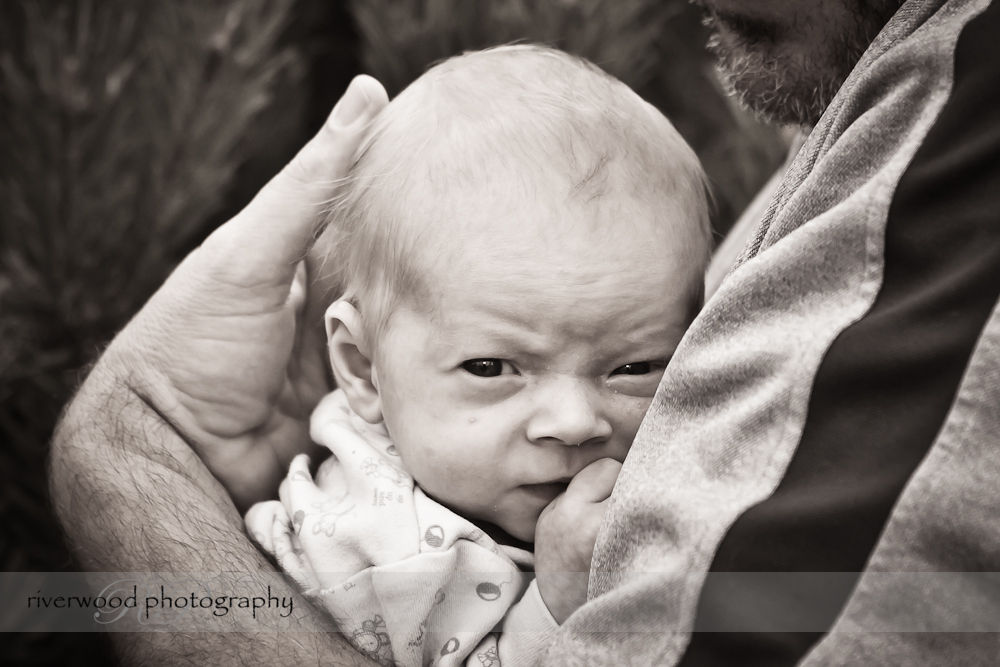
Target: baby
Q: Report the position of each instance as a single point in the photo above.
(519, 250)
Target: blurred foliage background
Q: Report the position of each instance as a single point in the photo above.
(130, 129)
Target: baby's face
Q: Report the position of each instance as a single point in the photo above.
(540, 354)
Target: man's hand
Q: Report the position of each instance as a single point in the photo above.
(216, 365)
(565, 536)
(220, 351)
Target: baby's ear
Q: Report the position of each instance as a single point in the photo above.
(350, 359)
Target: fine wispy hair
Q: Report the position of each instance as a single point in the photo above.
(529, 121)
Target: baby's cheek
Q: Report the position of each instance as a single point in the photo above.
(631, 412)
(464, 468)
(443, 470)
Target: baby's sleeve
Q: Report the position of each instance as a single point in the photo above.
(527, 631)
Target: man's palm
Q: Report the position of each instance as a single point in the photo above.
(239, 364)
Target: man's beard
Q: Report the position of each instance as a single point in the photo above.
(790, 88)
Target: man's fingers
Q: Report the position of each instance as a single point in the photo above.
(595, 482)
(297, 294)
(263, 243)
(324, 159)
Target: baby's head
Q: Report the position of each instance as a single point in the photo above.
(519, 249)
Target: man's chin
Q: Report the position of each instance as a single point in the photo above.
(778, 90)
(790, 75)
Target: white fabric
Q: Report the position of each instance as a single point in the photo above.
(408, 581)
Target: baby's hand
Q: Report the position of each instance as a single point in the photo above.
(565, 536)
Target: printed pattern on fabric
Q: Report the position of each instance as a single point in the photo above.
(408, 581)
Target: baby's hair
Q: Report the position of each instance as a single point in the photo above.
(543, 119)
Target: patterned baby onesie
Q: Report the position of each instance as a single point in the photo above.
(408, 581)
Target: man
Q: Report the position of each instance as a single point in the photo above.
(832, 411)
(827, 419)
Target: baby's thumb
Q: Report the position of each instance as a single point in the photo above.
(595, 482)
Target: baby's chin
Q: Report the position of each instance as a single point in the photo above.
(522, 532)
(517, 528)
(519, 519)
(517, 535)
(509, 533)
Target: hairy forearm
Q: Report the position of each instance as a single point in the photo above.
(133, 497)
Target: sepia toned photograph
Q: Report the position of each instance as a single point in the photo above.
(500, 332)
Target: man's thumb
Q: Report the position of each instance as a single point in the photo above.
(266, 240)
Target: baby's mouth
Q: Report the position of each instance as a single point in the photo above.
(547, 491)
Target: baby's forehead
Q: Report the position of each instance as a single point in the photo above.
(468, 202)
(506, 210)
(509, 249)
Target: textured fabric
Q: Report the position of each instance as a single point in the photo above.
(777, 460)
(882, 390)
(732, 246)
(408, 581)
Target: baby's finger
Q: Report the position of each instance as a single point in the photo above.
(595, 482)
(266, 239)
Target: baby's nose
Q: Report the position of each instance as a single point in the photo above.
(569, 411)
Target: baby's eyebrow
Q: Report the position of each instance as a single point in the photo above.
(503, 311)
(520, 343)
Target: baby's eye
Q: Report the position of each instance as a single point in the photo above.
(487, 368)
(634, 368)
(638, 378)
